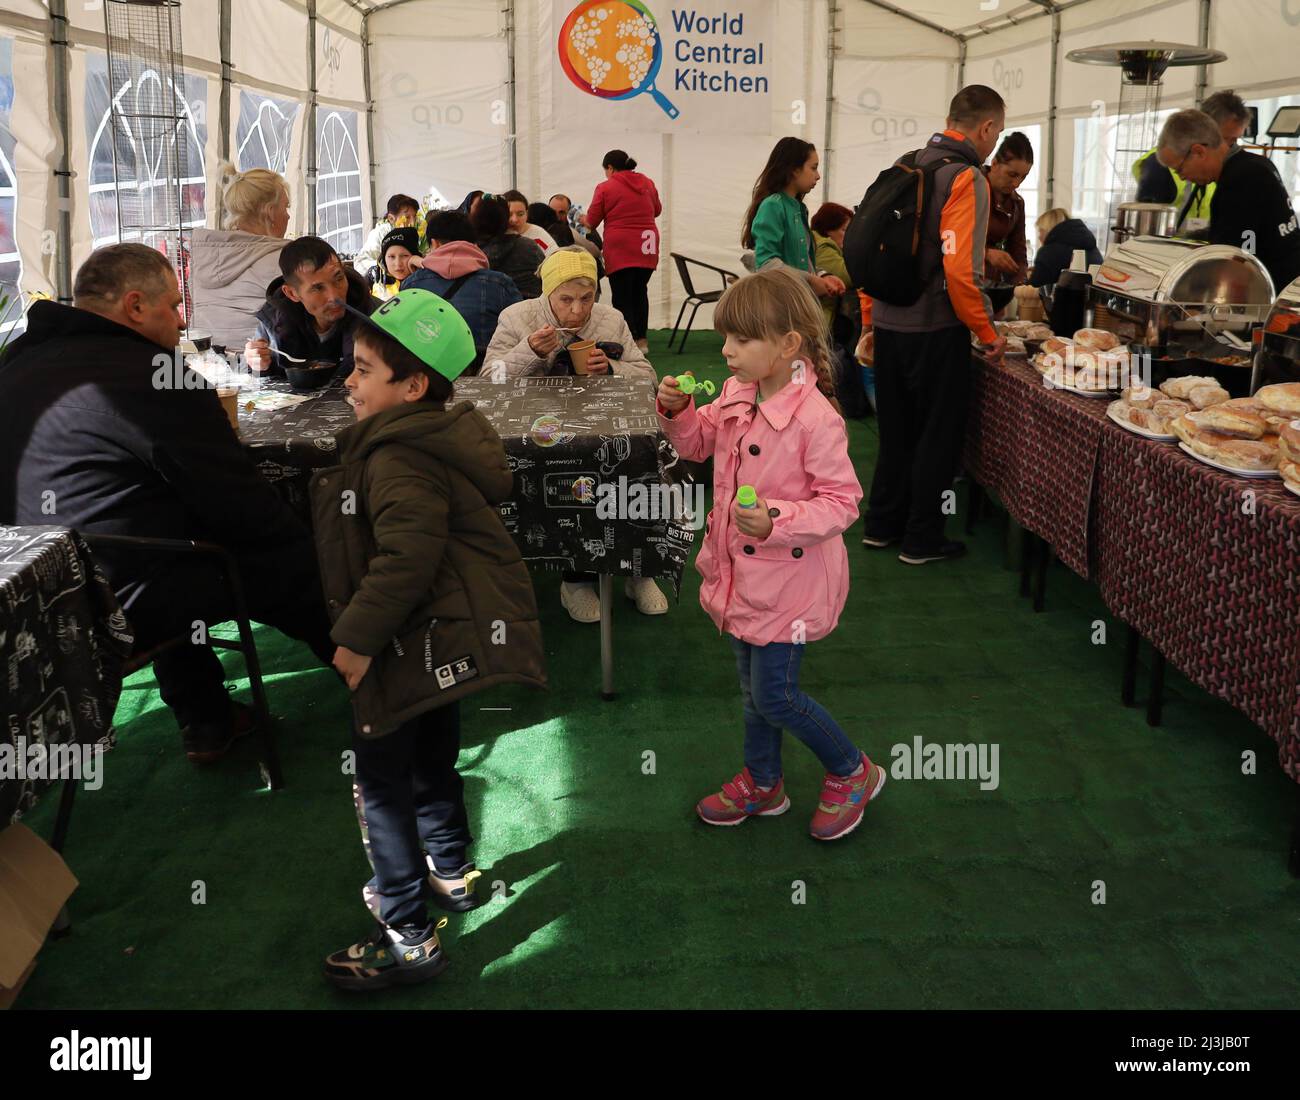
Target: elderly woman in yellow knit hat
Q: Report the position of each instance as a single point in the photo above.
(533, 336)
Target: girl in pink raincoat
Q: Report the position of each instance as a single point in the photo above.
(775, 575)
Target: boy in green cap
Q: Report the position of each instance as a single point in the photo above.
(430, 601)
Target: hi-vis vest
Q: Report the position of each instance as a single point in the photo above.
(1198, 213)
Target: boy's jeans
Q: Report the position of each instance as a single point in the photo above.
(410, 799)
(769, 684)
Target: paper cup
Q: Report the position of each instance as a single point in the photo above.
(579, 352)
(230, 402)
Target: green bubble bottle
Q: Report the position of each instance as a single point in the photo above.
(746, 497)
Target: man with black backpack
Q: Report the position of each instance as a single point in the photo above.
(916, 246)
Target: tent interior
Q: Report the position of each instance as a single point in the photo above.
(353, 100)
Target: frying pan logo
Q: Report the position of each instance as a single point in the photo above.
(612, 49)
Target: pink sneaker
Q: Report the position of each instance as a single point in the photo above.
(840, 810)
(741, 799)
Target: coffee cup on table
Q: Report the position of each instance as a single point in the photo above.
(579, 352)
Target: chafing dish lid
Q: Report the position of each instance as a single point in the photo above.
(1170, 269)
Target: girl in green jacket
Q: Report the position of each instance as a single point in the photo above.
(776, 225)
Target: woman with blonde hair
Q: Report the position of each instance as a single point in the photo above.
(1059, 235)
(231, 267)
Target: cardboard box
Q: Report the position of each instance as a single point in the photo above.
(34, 885)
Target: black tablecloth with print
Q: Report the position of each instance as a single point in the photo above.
(63, 641)
(578, 447)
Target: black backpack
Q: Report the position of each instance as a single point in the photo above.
(882, 246)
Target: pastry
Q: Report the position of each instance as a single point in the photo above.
(1182, 387)
(1056, 345)
(1234, 422)
(1289, 440)
(1202, 397)
(1141, 397)
(1169, 409)
(1247, 454)
(1282, 398)
(1290, 475)
(1097, 338)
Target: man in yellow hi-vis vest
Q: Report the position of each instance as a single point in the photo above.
(1159, 184)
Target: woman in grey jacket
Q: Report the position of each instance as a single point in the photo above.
(231, 267)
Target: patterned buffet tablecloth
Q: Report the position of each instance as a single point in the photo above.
(1036, 448)
(1206, 567)
(63, 641)
(578, 446)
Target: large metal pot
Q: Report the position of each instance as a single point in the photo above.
(1144, 219)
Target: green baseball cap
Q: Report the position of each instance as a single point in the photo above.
(429, 328)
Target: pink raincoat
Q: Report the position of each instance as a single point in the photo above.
(793, 448)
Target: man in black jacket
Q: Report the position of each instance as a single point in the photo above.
(304, 314)
(1250, 209)
(102, 429)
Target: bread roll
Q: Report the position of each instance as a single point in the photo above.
(1056, 345)
(1247, 454)
(1097, 338)
(1183, 428)
(1283, 398)
(1289, 440)
(1202, 397)
(1145, 418)
(1182, 387)
(1169, 409)
(1234, 422)
(1141, 397)
(1038, 331)
(1290, 475)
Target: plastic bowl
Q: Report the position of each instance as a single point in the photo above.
(311, 376)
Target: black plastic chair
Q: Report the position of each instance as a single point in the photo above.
(693, 296)
(270, 763)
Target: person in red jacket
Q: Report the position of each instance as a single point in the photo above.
(628, 203)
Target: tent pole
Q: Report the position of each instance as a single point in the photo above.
(512, 139)
(1203, 40)
(63, 173)
(311, 117)
(1050, 193)
(223, 111)
(832, 15)
(961, 66)
(370, 112)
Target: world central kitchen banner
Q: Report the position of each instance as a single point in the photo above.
(628, 65)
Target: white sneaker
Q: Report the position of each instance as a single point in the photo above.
(649, 600)
(581, 601)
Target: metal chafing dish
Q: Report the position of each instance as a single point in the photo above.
(1278, 356)
(1193, 307)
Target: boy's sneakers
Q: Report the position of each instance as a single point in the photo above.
(389, 956)
(454, 892)
(874, 541)
(843, 800)
(741, 799)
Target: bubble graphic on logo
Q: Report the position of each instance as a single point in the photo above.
(584, 490)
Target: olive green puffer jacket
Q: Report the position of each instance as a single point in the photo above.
(419, 571)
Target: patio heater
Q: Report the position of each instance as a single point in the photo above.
(1142, 68)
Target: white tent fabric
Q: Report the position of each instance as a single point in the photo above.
(355, 99)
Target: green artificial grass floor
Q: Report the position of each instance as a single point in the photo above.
(610, 894)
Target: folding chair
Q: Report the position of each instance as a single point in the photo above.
(693, 296)
(270, 762)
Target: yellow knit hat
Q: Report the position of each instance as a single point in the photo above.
(563, 265)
